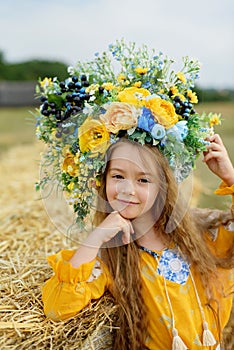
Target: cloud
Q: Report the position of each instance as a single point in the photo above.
(76, 29)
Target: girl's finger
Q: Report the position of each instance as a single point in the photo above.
(127, 231)
(131, 227)
(211, 155)
(214, 147)
(216, 138)
(126, 235)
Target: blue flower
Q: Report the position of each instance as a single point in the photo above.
(179, 131)
(158, 131)
(146, 85)
(146, 120)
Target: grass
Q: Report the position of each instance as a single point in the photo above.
(17, 127)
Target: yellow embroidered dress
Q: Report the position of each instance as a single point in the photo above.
(70, 289)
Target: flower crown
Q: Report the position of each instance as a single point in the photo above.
(127, 91)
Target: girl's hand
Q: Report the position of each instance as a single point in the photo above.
(110, 226)
(218, 161)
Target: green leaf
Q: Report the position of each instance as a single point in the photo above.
(57, 99)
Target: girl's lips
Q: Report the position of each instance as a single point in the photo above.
(127, 202)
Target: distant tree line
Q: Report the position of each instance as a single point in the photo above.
(213, 95)
(33, 69)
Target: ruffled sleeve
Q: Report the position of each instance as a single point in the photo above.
(64, 270)
(70, 289)
(224, 189)
(224, 235)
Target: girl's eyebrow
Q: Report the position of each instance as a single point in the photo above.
(115, 169)
(122, 170)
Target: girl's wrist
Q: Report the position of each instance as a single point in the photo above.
(229, 180)
(94, 239)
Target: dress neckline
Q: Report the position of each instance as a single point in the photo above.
(155, 253)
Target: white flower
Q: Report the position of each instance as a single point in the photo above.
(70, 70)
(88, 109)
(92, 98)
(96, 272)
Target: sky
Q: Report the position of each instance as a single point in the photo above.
(72, 30)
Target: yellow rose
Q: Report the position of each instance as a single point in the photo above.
(119, 116)
(163, 111)
(70, 167)
(93, 136)
(134, 95)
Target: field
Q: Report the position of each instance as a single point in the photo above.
(28, 234)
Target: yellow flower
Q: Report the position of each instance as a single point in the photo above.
(215, 120)
(92, 88)
(119, 116)
(66, 151)
(97, 182)
(192, 96)
(93, 136)
(46, 82)
(126, 82)
(182, 97)
(141, 70)
(181, 77)
(121, 78)
(137, 84)
(108, 86)
(174, 90)
(71, 186)
(163, 111)
(134, 95)
(77, 158)
(70, 167)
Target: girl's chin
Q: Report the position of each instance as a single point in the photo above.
(128, 213)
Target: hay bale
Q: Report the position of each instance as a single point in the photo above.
(27, 237)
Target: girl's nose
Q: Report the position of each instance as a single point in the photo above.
(127, 187)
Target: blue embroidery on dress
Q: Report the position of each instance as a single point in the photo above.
(173, 267)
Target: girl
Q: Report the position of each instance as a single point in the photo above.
(171, 279)
(129, 128)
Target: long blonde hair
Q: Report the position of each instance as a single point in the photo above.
(122, 261)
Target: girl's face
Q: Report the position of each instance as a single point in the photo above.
(131, 187)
